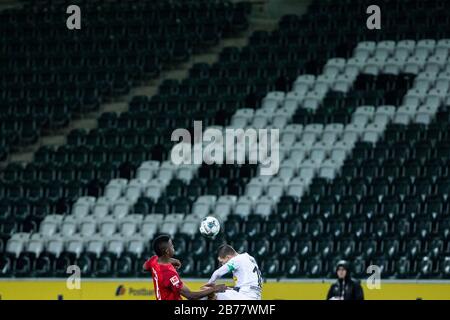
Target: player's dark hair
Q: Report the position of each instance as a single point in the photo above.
(226, 250)
(160, 243)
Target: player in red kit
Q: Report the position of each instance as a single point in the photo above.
(166, 281)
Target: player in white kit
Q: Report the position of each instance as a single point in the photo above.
(246, 274)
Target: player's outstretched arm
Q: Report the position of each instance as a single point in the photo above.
(145, 268)
(194, 295)
(223, 270)
(176, 263)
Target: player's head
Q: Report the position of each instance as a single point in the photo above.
(342, 269)
(226, 252)
(163, 246)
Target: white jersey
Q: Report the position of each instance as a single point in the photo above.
(245, 270)
(246, 274)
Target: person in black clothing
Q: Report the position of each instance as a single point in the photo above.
(345, 288)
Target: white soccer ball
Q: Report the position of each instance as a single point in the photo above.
(209, 227)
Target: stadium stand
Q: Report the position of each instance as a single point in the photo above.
(50, 75)
(364, 124)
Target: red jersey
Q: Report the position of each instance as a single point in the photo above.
(166, 281)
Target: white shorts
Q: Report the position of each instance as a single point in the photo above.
(231, 294)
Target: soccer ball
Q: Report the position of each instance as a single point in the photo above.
(209, 227)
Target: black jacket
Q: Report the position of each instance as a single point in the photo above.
(347, 288)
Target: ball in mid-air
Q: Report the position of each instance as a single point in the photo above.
(209, 227)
